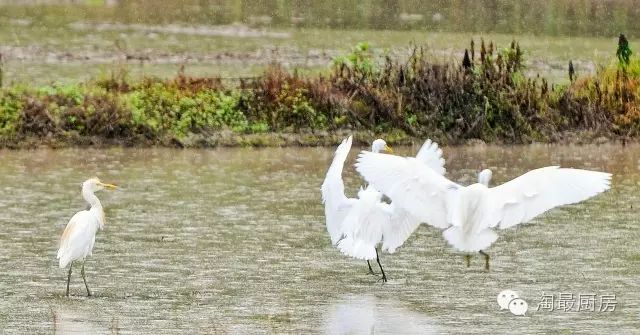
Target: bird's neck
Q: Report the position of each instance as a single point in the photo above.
(91, 198)
(95, 204)
(375, 150)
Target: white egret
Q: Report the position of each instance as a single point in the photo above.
(79, 235)
(357, 226)
(470, 213)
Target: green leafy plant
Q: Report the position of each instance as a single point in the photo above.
(360, 60)
(10, 107)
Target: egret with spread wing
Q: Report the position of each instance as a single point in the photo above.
(357, 226)
(471, 213)
(79, 235)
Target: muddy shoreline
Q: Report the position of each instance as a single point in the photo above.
(228, 139)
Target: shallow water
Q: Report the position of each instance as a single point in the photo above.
(233, 241)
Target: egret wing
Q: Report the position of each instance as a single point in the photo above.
(78, 237)
(540, 190)
(400, 226)
(431, 155)
(336, 204)
(410, 184)
(363, 225)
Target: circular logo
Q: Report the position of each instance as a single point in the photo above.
(505, 297)
(518, 306)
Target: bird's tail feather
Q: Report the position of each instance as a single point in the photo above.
(463, 242)
(63, 258)
(357, 249)
(64, 261)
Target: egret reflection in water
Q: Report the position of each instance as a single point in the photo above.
(367, 314)
(73, 321)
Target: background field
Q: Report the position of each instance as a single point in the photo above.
(60, 41)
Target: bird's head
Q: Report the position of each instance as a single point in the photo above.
(94, 184)
(380, 145)
(484, 177)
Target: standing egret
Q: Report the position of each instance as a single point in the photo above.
(357, 226)
(470, 213)
(80, 233)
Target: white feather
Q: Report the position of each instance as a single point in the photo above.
(359, 225)
(400, 227)
(473, 210)
(540, 190)
(79, 237)
(431, 155)
(363, 226)
(410, 184)
(336, 203)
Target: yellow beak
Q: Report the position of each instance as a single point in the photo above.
(109, 186)
(388, 149)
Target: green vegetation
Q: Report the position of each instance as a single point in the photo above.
(485, 96)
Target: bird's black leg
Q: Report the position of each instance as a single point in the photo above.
(69, 278)
(486, 260)
(85, 280)
(370, 269)
(467, 258)
(384, 277)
